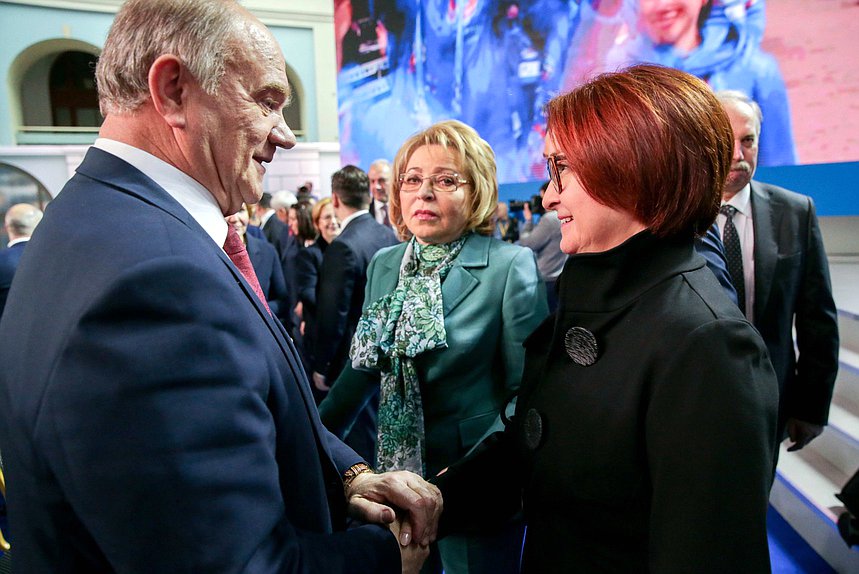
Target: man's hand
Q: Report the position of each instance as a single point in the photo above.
(412, 555)
(319, 382)
(373, 498)
(801, 433)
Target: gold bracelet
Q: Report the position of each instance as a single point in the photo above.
(353, 471)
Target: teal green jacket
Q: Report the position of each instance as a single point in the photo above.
(493, 299)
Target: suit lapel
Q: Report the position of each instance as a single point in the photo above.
(125, 178)
(766, 249)
(460, 281)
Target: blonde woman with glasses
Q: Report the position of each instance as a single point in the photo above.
(440, 338)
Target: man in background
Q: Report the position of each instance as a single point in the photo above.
(779, 269)
(381, 183)
(544, 239)
(154, 416)
(20, 221)
(273, 228)
(280, 202)
(340, 290)
(506, 227)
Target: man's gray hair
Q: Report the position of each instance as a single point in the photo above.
(380, 164)
(743, 98)
(201, 33)
(283, 199)
(22, 219)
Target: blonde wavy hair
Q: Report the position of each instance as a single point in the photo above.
(476, 163)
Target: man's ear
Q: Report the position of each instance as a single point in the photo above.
(169, 89)
(335, 200)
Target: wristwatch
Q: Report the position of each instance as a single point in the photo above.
(354, 471)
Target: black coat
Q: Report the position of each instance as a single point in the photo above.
(656, 457)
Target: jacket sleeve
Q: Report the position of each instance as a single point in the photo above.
(710, 431)
(816, 322)
(710, 247)
(171, 443)
(522, 310)
(306, 275)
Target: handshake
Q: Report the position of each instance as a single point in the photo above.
(374, 498)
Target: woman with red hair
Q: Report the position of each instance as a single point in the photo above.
(645, 426)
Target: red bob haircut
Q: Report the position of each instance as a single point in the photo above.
(649, 140)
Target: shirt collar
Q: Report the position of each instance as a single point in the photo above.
(741, 201)
(190, 194)
(355, 215)
(17, 241)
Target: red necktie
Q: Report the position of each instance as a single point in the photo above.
(235, 249)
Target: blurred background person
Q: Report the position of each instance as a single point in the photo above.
(20, 221)
(645, 425)
(300, 221)
(274, 229)
(440, 337)
(544, 239)
(506, 228)
(307, 267)
(340, 292)
(264, 259)
(274, 222)
(280, 202)
(721, 43)
(380, 188)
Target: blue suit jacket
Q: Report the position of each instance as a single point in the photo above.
(340, 291)
(269, 273)
(153, 416)
(711, 248)
(9, 259)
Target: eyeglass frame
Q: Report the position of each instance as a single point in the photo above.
(457, 177)
(554, 172)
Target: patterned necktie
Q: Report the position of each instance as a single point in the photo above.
(734, 254)
(235, 249)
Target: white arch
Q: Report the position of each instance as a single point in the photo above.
(28, 58)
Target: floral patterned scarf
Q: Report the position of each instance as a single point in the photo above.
(393, 331)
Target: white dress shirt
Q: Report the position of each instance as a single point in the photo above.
(742, 202)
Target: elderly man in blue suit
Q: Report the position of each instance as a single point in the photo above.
(20, 221)
(154, 416)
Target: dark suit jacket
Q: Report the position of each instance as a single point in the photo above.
(340, 292)
(162, 422)
(792, 287)
(9, 259)
(269, 273)
(276, 232)
(307, 266)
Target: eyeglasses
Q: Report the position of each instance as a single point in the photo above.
(554, 172)
(443, 182)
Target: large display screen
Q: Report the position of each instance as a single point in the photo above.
(404, 64)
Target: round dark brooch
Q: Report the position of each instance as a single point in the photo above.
(581, 346)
